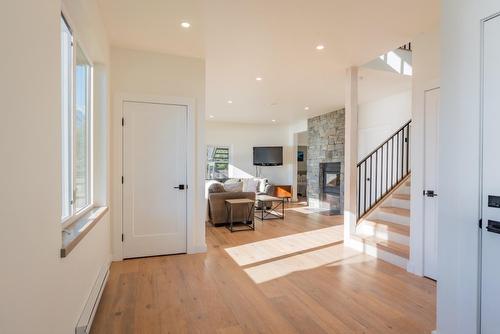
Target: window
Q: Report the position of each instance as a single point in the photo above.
(217, 162)
(76, 88)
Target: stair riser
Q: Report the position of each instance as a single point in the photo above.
(379, 253)
(393, 218)
(380, 233)
(398, 203)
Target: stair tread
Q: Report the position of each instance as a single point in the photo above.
(405, 197)
(395, 211)
(391, 227)
(388, 246)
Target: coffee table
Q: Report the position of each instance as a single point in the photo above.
(249, 223)
(274, 203)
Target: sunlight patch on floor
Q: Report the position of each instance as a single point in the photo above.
(306, 210)
(288, 245)
(328, 256)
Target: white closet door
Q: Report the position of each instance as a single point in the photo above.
(154, 170)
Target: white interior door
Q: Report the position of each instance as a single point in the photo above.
(154, 163)
(431, 112)
(490, 294)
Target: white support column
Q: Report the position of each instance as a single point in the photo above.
(351, 152)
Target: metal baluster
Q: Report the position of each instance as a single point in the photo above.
(371, 177)
(376, 174)
(359, 191)
(397, 158)
(364, 190)
(402, 152)
(387, 167)
(392, 162)
(408, 149)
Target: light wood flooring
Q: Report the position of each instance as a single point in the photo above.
(288, 276)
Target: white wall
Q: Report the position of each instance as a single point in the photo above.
(242, 138)
(162, 75)
(458, 233)
(379, 119)
(426, 73)
(40, 292)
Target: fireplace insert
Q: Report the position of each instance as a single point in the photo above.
(331, 178)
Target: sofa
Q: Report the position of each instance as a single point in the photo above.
(218, 192)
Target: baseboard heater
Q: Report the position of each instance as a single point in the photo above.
(85, 322)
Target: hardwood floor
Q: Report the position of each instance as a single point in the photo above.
(291, 276)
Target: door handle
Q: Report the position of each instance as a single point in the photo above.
(180, 187)
(430, 193)
(493, 226)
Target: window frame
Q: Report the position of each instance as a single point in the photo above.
(74, 213)
(207, 162)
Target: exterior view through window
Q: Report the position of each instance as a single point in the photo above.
(217, 162)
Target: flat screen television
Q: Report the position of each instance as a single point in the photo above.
(268, 156)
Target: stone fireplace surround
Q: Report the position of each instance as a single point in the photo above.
(326, 135)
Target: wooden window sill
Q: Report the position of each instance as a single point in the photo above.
(75, 232)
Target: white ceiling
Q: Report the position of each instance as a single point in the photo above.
(273, 39)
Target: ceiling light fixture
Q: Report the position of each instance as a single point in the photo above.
(320, 47)
(273, 120)
(211, 116)
(185, 24)
(229, 101)
(258, 79)
(306, 108)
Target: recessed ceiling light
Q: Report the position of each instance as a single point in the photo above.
(320, 47)
(306, 108)
(258, 79)
(185, 24)
(229, 101)
(211, 116)
(273, 120)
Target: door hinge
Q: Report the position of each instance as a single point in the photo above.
(481, 223)
(123, 237)
(123, 180)
(123, 121)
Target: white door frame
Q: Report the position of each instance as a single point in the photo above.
(416, 261)
(425, 176)
(117, 187)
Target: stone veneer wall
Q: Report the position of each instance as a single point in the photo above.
(326, 144)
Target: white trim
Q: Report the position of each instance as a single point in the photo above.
(417, 154)
(117, 188)
(480, 176)
(77, 44)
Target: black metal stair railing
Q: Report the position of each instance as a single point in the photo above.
(383, 169)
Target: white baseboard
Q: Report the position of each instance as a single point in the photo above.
(87, 317)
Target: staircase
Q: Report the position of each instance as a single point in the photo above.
(383, 193)
(384, 232)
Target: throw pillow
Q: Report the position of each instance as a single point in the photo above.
(216, 187)
(233, 187)
(228, 181)
(262, 184)
(250, 185)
